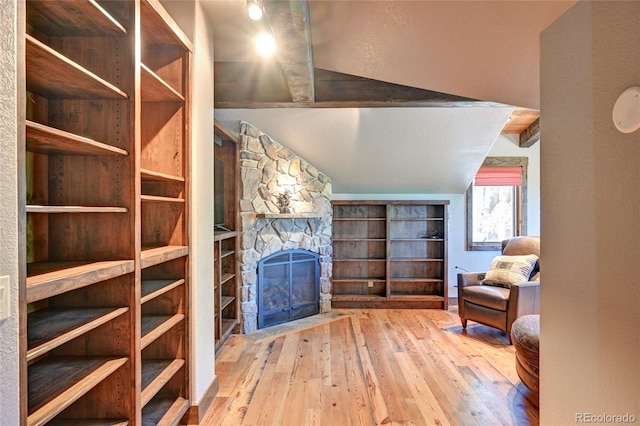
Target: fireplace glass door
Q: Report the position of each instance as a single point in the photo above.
(288, 287)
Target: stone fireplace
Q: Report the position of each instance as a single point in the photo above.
(267, 171)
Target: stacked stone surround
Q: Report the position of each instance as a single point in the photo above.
(267, 169)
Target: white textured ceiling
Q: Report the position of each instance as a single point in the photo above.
(383, 150)
(487, 50)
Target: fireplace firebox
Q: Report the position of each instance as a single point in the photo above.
(288, 286)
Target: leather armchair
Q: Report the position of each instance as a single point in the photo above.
(499, 307)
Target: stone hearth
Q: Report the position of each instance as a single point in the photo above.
(268, 170)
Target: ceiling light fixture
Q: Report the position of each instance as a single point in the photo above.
(266, 44)
(254, 9)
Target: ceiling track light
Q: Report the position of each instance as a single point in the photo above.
(254, 9)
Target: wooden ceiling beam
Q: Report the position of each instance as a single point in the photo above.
(356, 104)
(530, 135)
(289, 21)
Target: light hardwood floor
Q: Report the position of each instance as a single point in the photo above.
(373, 367)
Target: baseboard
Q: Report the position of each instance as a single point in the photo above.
(453, 301)
(197, 411)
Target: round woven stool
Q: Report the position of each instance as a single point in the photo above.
(525, 336)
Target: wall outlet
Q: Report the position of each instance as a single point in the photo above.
(4, 297)
(370, 283)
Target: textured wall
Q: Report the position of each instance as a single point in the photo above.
(268, 169)
(9, 237)
(590, 197)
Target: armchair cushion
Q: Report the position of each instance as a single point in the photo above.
(507, 270)
(488, 296)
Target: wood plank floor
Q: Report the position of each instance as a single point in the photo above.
(373, 367)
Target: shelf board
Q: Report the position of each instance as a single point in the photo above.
(358, 260)
(156, 374)
(88, 422)
(76, 18)
(154, 288)
(56, 383)
(155, 89)
(359, 219)
(226, 301)
(224, 235)
(154, 176)
(159, 28)
(46, 140)
(310, 215)
(226, 278)
(54, 75)
(415, 259)
(417, 280)
(226, 253)
(159, 199)
(49, 328)
(154, 326)
(409, 297)
(74, 209)
(359, 239)
(47, 279)
(156, 255)
(164, 412)
(357, 298)
(227, 327)
(358, 279)
(416, 219)
(400, 240)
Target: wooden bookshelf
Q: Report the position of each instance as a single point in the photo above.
(389, 254)
(226, 241)
(105, 316)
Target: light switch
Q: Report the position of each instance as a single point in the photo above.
(4, 297)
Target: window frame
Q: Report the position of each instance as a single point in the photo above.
(521, 203)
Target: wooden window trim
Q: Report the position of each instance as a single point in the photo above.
(521, 203)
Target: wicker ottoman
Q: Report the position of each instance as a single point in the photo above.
(525, 335)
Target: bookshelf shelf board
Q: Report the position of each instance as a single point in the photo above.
(151, 175)
(50, 328)
(74, 377)
(154, 326)
(156, 374)
(47, 140)
(55, 76)
(46, 279)
(77, 18)
(154, 288)
(156, 255)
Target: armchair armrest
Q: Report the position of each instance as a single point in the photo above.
(470, 278)
(524, 299)
(467, 279)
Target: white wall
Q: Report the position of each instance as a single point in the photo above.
(9, 236)
(190, 16)
(590, 352)
(505, 146)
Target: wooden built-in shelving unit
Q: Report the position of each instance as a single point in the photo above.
(104, 302)
(389, 254)
(226, 282)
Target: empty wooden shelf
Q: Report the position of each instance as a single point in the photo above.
(389, 254)
(106, 161)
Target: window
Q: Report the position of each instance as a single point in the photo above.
(496, 203)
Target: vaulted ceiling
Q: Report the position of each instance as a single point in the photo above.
(371, 91)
